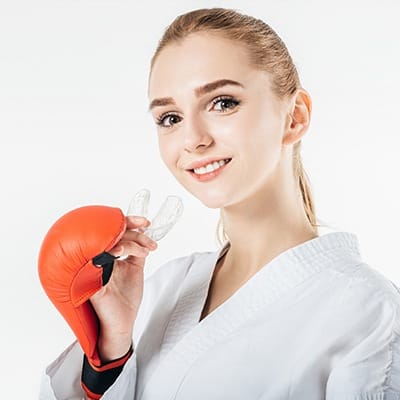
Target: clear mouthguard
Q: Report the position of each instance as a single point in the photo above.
(165, 219)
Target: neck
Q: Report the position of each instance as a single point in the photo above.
(262, 227)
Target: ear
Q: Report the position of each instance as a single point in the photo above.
(298, 118)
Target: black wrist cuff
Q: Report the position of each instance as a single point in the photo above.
(96, 380)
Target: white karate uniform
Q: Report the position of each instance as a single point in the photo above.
(314, 323)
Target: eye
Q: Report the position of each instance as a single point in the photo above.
(224, 103)
(167, 120)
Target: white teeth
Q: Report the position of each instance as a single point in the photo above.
(210, 167)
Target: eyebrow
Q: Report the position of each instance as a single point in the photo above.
(200, 91)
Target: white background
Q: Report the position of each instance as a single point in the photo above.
(74, 130)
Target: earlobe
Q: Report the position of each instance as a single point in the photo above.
(294, 134)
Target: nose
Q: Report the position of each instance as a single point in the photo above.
(196, 134)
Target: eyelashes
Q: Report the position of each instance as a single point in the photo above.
(174, 118)
(160, 120)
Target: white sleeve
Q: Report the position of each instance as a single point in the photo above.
(62, 378)
(371, 369)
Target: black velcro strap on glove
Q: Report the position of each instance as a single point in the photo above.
(98, 379)
(106, 261)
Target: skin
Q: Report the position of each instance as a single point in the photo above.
(259, 199)
(117, 303)
(258, 196)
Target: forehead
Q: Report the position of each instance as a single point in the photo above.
(198, 59)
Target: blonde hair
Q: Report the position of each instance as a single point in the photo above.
(267, 52)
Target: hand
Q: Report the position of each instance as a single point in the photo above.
(117, 303)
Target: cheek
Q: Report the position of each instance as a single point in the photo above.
(168, 153)
(254, 131)
(262, 140)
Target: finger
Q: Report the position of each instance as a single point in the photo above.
(134, 221)
(141, 238)
(131, 248)
(117, 250)
(133, 260)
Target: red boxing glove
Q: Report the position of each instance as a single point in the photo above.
(74, 264)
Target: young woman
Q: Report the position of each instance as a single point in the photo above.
(279, 311)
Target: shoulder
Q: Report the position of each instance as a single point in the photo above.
(369, 291)
(370, 314)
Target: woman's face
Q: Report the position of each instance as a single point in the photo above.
(210, 105)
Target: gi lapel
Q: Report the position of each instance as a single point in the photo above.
(186, 339)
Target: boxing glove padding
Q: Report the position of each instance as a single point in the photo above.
(70, 267)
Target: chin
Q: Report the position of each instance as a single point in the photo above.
(209, 203)
(212, 200)
(208, 196)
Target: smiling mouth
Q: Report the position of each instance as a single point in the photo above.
(225, 162)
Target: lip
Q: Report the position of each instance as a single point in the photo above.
(204, 162)
(209, 175)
